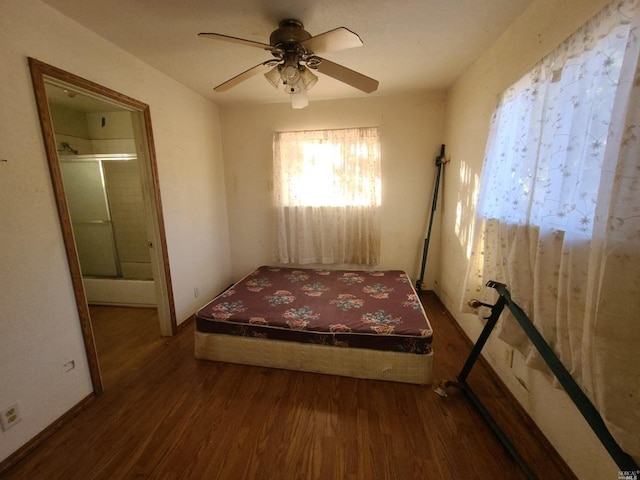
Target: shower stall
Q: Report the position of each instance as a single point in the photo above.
(106, 207)
(101, 173)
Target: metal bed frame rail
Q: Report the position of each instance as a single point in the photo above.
(624, 461)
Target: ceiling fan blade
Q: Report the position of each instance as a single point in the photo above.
(348, 76)
(241, 41)
(260, 68)
(340, 38)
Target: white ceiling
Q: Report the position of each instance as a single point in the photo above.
(409, 46)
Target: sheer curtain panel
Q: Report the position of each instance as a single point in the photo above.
(558, 217)
(327, 196)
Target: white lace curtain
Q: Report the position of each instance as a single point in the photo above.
(327, 196)
(558, 217)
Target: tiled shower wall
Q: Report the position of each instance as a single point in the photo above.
(127, 215)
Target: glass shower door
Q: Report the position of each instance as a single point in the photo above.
(90, 217)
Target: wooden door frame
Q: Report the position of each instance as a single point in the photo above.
(39, 73)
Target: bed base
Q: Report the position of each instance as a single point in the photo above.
(307, 357)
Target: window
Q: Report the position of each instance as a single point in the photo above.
(327, 195)
(557, 218)
(549, 134)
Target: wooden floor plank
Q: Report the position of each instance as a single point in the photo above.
(165, 415)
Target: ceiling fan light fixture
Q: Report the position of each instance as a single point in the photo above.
(307, 78)
(290, 74)
(273, 76)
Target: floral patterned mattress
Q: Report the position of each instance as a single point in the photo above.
(378, 310)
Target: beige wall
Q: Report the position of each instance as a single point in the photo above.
(41, 331)
(411, 129)
(38, 318)
(471, 102)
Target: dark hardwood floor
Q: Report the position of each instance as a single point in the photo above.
(124, 338)
(165, 415)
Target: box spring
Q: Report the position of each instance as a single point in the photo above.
(363, 324)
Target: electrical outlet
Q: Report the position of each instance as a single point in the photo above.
(196, 292)
(9, 417)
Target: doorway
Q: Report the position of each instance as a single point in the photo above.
(99, 146)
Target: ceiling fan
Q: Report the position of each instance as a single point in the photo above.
(296, 54)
